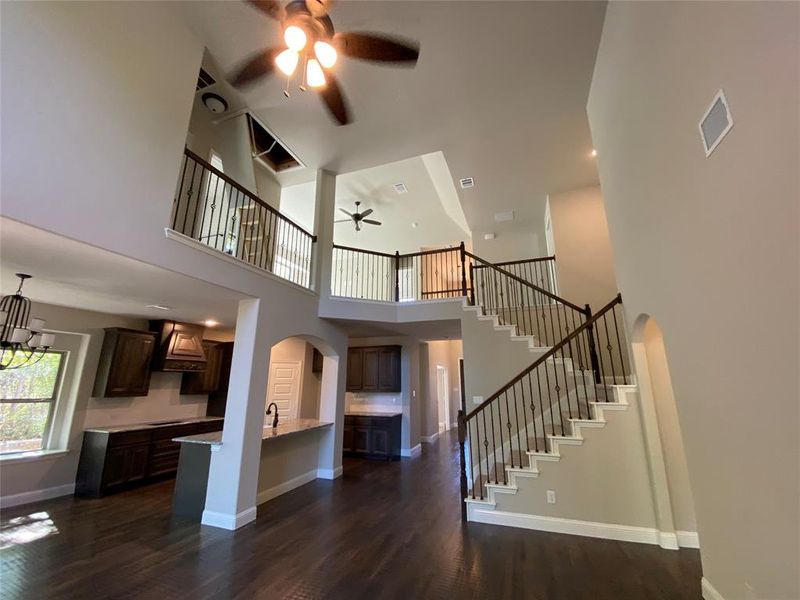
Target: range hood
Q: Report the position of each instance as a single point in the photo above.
(180, 347)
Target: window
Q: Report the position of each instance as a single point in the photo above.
(27, 402)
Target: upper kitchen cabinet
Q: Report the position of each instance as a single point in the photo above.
(124, 368)
(180, 346)
(208, 381)
(374, 369)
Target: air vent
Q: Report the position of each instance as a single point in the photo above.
(268, 149)
(504, 216)
(716, 123)
(467, 182)
(400, 188)
(204, 80)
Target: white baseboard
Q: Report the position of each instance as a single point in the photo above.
(37, 495)
(286, 486)
(411, 452)
(228, 521)
(688, 539)
(622, 533)
(454, 424)
(330, 473)
(709, 591)
(429, 439)
(668, 540)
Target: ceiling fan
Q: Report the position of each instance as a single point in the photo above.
(309, 36)
(358, 217)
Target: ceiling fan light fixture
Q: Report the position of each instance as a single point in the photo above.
(286, 61)
(295, 38)
(326, 54)
(314, 75)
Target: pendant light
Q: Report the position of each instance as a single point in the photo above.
(19, 333)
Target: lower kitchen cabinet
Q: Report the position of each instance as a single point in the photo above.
(112, 461)
(373, 436)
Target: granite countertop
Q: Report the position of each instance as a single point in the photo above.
(285, 428)
(365, 413)
(151, 424)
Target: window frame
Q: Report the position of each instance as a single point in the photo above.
(52, 401)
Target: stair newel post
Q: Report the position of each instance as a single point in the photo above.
(592, 347)
(397, 275)
(472, 283)
(463, 270)
(462, 437)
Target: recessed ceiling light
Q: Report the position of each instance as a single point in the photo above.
(488, 236)
(594, 152)
(159, 307)
(467, 182)
(210, 323)
(400, 188)
(415, 225)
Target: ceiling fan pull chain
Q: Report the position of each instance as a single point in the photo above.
(286, 89)
(303, 77)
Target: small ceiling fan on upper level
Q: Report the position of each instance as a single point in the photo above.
(311, 43)
(358, 217)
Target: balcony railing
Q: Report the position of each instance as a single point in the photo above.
(212, 208)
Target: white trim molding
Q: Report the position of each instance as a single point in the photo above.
(228, 521)
(411, 452)
(609, 531)
(429, 439)
(286, 486)
(709, 591)
(688, 539)
(23, 457)
(37, 495)
(330, 473)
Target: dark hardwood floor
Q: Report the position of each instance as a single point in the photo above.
(383, 530)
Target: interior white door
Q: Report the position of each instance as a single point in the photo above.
(284, 387)
(444, 398)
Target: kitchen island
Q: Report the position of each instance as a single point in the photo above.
(289, 459)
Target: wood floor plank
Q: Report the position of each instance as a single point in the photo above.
(383, 530)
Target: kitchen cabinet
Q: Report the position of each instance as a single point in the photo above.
(374, 369)
(205, 382)
(124, 367)
(372, 436)
(316, 364)
(218, 399)
(115, 459)
(179, 347)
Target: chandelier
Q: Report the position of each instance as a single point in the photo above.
(22, 342)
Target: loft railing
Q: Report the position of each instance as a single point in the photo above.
(539, 271)
(212, 208)
(539, 402)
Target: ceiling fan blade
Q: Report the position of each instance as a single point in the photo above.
(271, 8)
(367, 212)
(347, 213)
(376, 47)
(372, 222)
(343, 221)
(334, 100)
(261, 64)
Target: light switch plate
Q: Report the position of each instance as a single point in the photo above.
(477, 399)
(551, 496)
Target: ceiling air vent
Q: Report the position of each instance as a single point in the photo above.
(467, 182)
(716, 123)
(400, 188)
(204, 80)
(504, 216)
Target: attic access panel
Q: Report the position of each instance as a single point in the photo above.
(269, 150)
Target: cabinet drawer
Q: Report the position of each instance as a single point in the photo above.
(163, 464)
(361, 421)
(208, 426)
(162, 447)
(127, 438)
(173, 431)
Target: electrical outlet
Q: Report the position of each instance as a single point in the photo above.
(551, 496)
(477, 399)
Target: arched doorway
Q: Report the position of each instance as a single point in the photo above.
(670, 474)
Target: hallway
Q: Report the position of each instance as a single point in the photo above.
(383, 530)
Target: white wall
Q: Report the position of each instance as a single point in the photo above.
(443, 353)
(584, 258)
(297, 203)
(511, 245)
(709, 247)
(298, 350)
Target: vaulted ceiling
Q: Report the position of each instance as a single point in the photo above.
(500, 88)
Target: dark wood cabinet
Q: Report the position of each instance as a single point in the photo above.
(124, 368)
(115, 461)
(374, 436)
(374, 369)
(205, 382)
(218, 399)
(316, 364)
(179, 347)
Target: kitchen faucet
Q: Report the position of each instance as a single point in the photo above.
(269, 412)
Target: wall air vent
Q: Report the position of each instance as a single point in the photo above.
(716, 123)
(268, 149)
(504, 216)
(204, 80)
(400, 188)
(467, 182)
